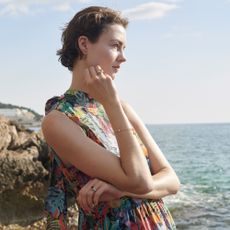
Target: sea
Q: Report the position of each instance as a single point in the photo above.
(200, 155)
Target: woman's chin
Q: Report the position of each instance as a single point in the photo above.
(113, 76)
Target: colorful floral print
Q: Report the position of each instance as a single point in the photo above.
(126, 213)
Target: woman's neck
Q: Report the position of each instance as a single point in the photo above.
(78, 76)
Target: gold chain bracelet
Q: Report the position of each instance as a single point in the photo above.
(122, 130)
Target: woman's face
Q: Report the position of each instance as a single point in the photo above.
(108, 51)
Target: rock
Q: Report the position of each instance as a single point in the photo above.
(23, 174)
(21, 168)
(5, 136)
(24, 179)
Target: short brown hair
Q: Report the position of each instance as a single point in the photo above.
(90, 22)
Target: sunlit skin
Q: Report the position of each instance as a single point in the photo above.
(114, 177)
(108, 54)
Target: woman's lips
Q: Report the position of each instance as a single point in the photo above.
(116, 68)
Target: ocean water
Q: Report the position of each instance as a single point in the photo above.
(200, 155)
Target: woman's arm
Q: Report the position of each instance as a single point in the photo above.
(130, 172)
(164, 177)
(166, 183)
(105, 192)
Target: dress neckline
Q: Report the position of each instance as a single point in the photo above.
(80, 95)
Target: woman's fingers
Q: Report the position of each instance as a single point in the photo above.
(82, 199)
(86, 194)
(80, 203)
(100, 72)
(89, 197)
(92, 72)
(90, 194)
(100, 86)
(97, 195)
(96, 72)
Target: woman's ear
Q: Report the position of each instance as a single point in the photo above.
(83, 44)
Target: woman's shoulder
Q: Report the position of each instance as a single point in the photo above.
(66, 106)
(52, 103)
(63, 103)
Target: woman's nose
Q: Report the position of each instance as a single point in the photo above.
(122, 57)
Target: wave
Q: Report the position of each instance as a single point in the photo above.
(193, 206)
(193, 195)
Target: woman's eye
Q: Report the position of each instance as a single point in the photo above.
(116, 46)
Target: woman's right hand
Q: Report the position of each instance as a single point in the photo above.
(100, 85)
(95, 191)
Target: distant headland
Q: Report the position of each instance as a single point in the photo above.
(22, 115)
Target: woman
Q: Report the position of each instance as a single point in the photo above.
(100, 150)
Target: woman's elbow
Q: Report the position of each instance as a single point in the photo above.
(175, 187)
(140, 187)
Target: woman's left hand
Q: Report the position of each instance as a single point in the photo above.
(95, 191)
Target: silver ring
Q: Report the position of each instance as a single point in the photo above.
(93, 188)
(99, 72)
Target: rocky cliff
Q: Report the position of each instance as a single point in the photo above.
(24, 177)
(37, 117)
(22, 115)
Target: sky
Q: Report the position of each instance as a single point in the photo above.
(178, 56)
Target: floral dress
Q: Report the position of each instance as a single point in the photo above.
(126, 213)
